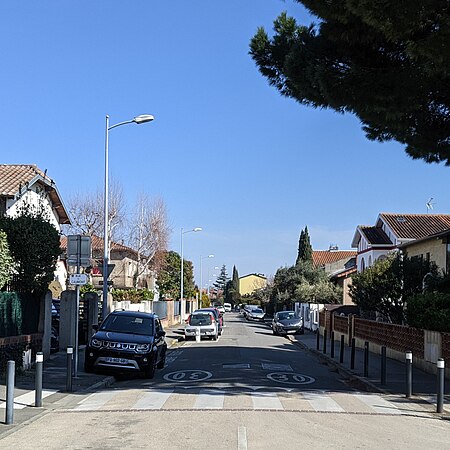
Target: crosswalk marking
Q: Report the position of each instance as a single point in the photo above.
(219, 399)
(322, 402)
(153, 399)
(28, 399)
(266, 400)
(209, 399)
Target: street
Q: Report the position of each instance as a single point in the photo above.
(249, 389)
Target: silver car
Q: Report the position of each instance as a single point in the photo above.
(256, 314)
(204, 323)
(285, 322)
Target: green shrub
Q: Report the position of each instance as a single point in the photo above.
(133, 295)
(429, 311)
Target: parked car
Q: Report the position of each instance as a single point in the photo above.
(220, 307)
(256, 314)
(217, 314)
(285, 322)
(128, 341)
(247, 308)
(205, 322)
(227, 307)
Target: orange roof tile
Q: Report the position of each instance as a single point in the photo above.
(322, 257)
(14, 175)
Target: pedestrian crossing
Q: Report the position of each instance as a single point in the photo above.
(258, 400)
(27, 399)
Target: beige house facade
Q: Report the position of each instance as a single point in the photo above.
(251, 283)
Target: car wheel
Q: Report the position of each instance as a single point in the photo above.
(149, 372)
(274, 332)
(214, 338)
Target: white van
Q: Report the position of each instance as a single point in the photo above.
(227, 307)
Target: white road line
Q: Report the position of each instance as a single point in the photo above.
(24, 400)
(209, 399)
(242, 438)
(378, 404)
(95, 401)
(153, 399)
(322, 402)
(266, 400)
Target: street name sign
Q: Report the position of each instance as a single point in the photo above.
(78, 279)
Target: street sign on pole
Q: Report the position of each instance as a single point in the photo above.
(78, 279)
(79, 250)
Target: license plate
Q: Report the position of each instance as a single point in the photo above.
(117, 360)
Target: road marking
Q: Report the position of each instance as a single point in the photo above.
(209, 399)
(290, 378)
(28, 399)
(235, 366)
(380, 405)
(266, 400)
(279, 367)
(242, 438)
(95, 401)
(153, 400)
(321, 402)
(188, 376)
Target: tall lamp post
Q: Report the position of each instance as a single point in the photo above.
(194, 230)
(201, 277)
(139, 119)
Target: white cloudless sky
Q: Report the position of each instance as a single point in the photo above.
(226, 152)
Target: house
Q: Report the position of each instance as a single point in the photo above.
(434, 248)
(125, 261)
(392, 230)
(26, 184)
(251, 282)
(339, 265)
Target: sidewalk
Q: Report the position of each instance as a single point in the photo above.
(424, 385)
(54, 385)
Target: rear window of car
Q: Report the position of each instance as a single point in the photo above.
(128, 324)
(200, 319)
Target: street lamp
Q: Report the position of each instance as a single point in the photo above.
(194, 230)
(201, 277)
(139, 119)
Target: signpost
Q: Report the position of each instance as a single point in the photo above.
(79, 255)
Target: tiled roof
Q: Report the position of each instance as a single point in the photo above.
(97, 245)
(14, 175)
(416, 226)
(322, 257)
(375, 235)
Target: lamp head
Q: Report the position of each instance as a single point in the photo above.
(197, 229)
(143, 118)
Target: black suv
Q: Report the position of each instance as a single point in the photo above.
(128, 341)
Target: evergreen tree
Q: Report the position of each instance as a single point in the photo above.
(386, 61)
(304, 247)
(221, 282)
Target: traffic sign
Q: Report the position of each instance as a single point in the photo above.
(78, 279)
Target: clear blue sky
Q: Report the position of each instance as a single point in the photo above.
(226, 152)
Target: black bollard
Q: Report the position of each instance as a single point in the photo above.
(352, 354)
(408, 374)
(69, 369)
(341, 349)
(440, 385)
(317, 340)
(325, 340)
(11, 368)
(366, 359)
(38, 379)
(383, 365)
(332, 344)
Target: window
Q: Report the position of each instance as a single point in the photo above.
(363, 265)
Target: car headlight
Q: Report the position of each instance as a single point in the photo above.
(143, 348)
(298, 324)
(96, 343)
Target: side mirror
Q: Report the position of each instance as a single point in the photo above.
(160, 333)
(95, 327)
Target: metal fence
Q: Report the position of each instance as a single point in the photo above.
(160, 308)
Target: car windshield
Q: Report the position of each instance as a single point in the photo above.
(128, 324)
(257, 310)
(200, 319)
(286, 315)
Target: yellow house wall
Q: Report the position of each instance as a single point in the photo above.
(249, 284)
(435, 247)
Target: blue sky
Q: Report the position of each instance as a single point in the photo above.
(226, 152)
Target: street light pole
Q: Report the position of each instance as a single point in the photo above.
(139, 119)
(194, 230)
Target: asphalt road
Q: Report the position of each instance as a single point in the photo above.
(248, 390)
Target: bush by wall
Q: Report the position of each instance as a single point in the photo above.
(430, 311)
(19, 314)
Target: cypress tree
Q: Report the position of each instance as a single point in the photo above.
(304, 247)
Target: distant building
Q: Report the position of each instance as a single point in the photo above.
(251, 283)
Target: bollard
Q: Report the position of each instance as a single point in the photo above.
(38, 379)
(10, 371)
(332, 344)
(341, 350)
(198, 337)
(440, 385)
(69, 368)
(352, 354)
(324, 340)
(408, 374)
(317, 340)
(366, 359)
(383, 365)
